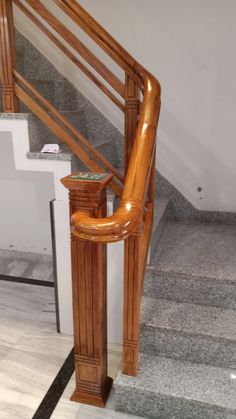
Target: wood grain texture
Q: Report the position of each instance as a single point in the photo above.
(69, 126)
(89, 286)
(64, 136)
(40, 25)
(102, 38)
(135, 258)
(91, 228)
(128, 217)
(132, 94)
(7, 57)
(78, 46)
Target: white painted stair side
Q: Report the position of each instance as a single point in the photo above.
(18, 128)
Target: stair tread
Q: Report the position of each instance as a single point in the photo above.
(37, 155)
(189, 318)
(154, 272)
(183, 380)
(204, 249)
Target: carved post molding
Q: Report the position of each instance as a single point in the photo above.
(131, 115)
(89, 282)
(7, 57)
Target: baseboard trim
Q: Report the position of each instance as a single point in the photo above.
(29, 281)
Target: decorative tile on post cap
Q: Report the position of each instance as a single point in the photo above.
(88, 176)
(87, 180)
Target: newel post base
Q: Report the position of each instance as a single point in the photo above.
(89, 286)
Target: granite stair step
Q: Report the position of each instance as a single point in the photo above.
(170, 389)
(67, 155)
(45, 88)
(195, 262)
(175, 286)
(195, 333)
(161, 212)
(199, 249)
(40, 134)
(20, 62)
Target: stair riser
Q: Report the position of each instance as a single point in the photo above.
(45, 88)
(107, 150)
(39, 134)
(158, 229)
(20, 62)
(194, 290)
(186, 347)
(153, 406)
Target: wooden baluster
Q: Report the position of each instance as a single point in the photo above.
(132, 278)
(132, 298)
(131, 115)
(89, 295)
(7, 57)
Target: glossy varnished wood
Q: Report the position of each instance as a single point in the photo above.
(91, 228)
(128, 217)
(132, 94)
(70, 127)
(89, 296)
(102, 38)
(7, 57)
(78, 46)
(70, 55)
(63, 134)
(136, 252)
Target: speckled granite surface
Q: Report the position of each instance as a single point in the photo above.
(190, 288)
(49, 156)
(22, 115)
(188, 328)
(182, 209)
(198, 249)
(162, 208)
(196, 333)
(170, 389)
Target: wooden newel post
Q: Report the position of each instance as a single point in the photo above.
(88, 193)
(7, 57)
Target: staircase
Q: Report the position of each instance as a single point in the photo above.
(188, 327)
(41, 74)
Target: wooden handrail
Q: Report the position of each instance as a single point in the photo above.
(128, 217)
(69, 54)
(78, 46)
(66, 123)
(63, 135)
(102, 38)
(90, 227)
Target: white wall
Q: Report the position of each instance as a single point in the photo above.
(24, 208)
(190, 46)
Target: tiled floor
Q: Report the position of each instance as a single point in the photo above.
(27, 269)
(32, 353)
